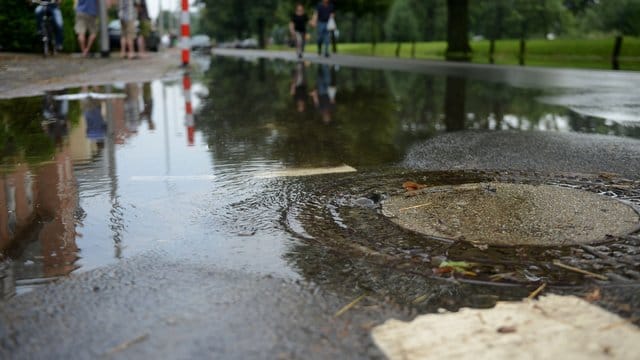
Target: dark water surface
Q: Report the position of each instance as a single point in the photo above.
(86, 182)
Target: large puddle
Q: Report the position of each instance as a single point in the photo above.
(86, 180)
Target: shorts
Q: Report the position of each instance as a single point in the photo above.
(84, 23)
(128, 29)
(145, 28)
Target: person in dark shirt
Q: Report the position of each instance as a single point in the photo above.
(324, 12)
(298, 28)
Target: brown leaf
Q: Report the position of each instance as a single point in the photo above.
(506, 329)
(412, 186)
(594, 295)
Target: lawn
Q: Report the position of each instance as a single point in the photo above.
(573, 53)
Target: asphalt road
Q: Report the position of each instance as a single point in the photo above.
(153, 307)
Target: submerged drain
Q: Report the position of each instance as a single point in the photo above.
(512, 214)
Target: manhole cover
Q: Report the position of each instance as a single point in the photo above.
(512, 214)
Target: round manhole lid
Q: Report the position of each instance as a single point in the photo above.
(512, 214)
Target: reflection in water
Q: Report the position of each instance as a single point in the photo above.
(299, 87)
(85, 182)
(37, 224)
(324, 95)
(455, 115)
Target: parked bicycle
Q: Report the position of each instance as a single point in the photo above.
(49, 20)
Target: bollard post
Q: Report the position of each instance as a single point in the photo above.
(185, 32)
(104, 29)
(189, 121)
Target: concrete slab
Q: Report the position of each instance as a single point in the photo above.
(555, 327)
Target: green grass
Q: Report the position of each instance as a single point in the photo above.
(566, 53)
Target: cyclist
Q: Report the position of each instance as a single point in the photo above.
(51, 9)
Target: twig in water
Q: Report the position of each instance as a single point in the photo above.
(350, 305)
(414, 207)
(419, 299)
(127, 344)
(537, 291)
(575, 269)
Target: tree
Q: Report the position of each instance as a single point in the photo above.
(401, 24)
(458, 48)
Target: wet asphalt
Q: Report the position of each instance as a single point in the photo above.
(549, 153)
(157, 306)
(151, 306)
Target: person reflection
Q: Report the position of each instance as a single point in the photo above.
(132, 107)
(96, 126)
(54, 114)
(147, 107)
(324, 95)
(299, 87)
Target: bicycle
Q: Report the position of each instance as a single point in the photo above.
(47, 28)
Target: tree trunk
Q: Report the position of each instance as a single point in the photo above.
(617, 46)
(523, 43)
(262, 40)
(522, 52)
(454, 103)
(398, 49)
(458, 48)
(354, 28)
(430, 24)
(492, 50)
(374, 34)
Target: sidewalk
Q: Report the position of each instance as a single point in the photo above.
(31, 74)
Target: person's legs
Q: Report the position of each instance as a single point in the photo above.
(81, 29)
(123, 39)
(57, 20)
(322, 36)
(320, 28)
(39, 15)
(141, 46)
(299, 43)
(92, 38)
(82, 42)
(326, 41)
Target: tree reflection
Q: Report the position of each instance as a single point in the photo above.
(455, 115)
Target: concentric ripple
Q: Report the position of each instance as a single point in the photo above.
(346, 243)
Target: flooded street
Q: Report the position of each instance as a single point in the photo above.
(283, 170)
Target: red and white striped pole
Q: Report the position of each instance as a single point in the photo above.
(189, 121)
(185, 32)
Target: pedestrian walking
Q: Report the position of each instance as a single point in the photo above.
(86, 16)
(298, 28)
(145, 26)
(324, 12)
(52, 10)
(127, 14)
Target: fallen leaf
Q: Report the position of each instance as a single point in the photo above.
(461, 267)
(506, 329)
(412, 186)
(594, 295)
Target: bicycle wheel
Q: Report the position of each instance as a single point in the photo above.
(47, 37)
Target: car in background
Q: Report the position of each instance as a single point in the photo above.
(248, 44)
(151, 42)
(201, 43)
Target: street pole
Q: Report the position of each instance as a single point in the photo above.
(104, 34)
(185, 31)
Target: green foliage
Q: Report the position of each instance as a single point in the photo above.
(401, 24)
(70, 43)
(621, 16)
(18, 24)
(21, 134)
